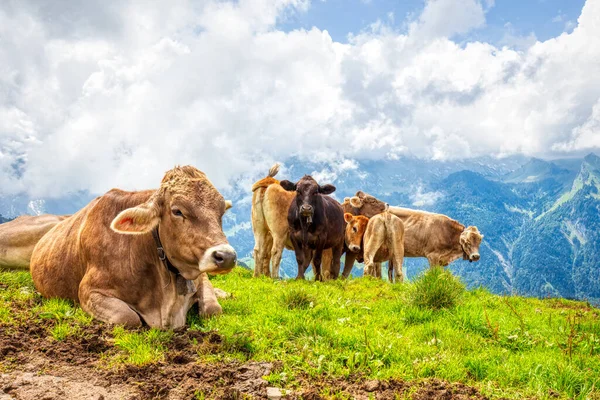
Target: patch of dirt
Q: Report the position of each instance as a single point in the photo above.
(360, 389)
(38, 367)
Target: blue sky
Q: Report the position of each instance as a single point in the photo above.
(544, 18)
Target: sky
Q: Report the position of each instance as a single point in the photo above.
(111, 93)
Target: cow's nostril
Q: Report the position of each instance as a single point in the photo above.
(224, 259)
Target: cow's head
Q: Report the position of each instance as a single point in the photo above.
(367, 205)
(188, 211)
(307, 194)
(356, 225)
(470, 239)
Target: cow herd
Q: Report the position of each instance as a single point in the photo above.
(143, 258)
(303, 217)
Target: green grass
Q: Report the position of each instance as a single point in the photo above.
(510, 347)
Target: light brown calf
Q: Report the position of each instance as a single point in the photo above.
(19, 236)
(380, 238)
(134, 257)
(437, 237)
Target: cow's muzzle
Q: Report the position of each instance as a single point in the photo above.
(306, 210)
(474, 257)
(354, 248)
(218, 260)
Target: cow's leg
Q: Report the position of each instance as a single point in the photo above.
(434, 261)
(327, 267)
(110, 309)
(105, 307)
(391, 270)
(397, 267)
(260, 253)
(276, 253)
(372, 244)
(397, 249)
(336, 253)
(377, 267)
(208, 305)
(300, 255)
(317, 263)
(348, 264)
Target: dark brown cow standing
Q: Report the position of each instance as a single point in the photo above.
(135, 257)
(316, 223)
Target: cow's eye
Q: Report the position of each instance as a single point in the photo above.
(177, 212)
(354, 229)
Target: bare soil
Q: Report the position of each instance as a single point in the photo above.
(35, 366)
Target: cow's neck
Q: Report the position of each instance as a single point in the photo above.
(184, 286)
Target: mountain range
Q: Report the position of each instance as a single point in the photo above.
(541, 219)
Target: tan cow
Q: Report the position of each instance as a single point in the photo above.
(380, 238)
(270, 205)
(436, 237)
(19, 236)
(134, 257)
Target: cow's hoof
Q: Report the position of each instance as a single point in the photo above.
(209, 310)
(221, 294)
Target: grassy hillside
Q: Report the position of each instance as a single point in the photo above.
(360, 330)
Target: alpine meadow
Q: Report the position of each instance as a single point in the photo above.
(300, 200)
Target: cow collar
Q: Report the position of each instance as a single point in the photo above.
(184, 286)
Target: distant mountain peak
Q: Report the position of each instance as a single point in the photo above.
(534, 170)
(592, 160)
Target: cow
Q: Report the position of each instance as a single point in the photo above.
(19, 236)
(436, 237)
(316, 223)
(137, 258)
(270, 205)
(379, 238)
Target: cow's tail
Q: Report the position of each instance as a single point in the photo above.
(273, 170)
(268, 180)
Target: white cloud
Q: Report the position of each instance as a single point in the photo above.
(446, 18)
(420, 198)
(113, 94)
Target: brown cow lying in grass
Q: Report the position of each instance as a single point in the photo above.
(140, 257)
(19, 236)
(379, 239)
(436, 237)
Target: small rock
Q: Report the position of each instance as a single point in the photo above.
(274, 393)
(371, 386)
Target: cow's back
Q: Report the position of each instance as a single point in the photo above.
(56, 264)
(424, 231)
(19, 237)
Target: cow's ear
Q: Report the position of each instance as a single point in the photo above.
(228, 204)
(326, 189)
(356, 202)
(360, 194)
(137, 220)
(348, 217)
(287, 185)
